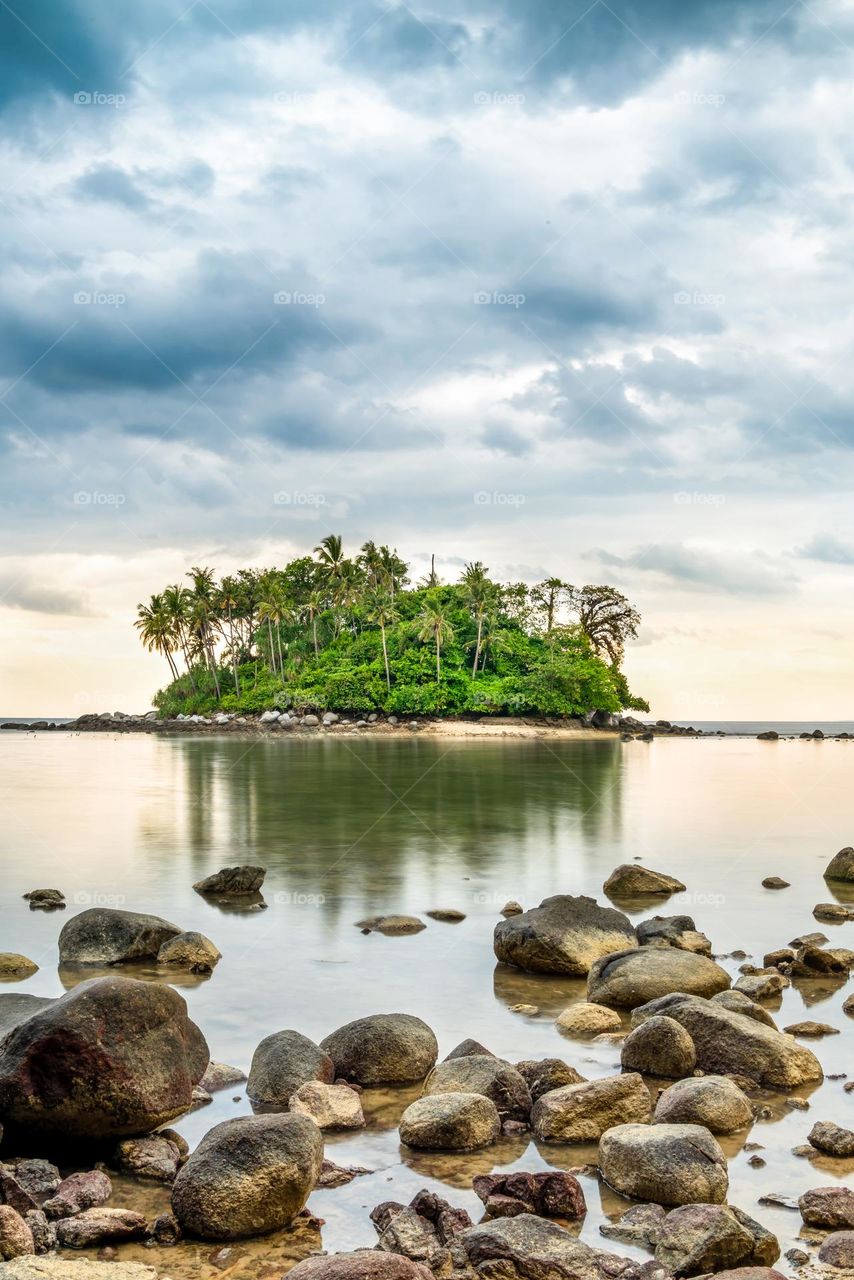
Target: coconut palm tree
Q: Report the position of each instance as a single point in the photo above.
(330, 553)
(478, 592)
(382, 610)
(155, 630)
(229, 603)
(434, 624)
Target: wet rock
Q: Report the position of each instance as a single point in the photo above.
(335, 1175)
(738, 1002)
(530, 1010)
(421, 1230)
(812, 961)
(782, 956)
(565, 934)
(837, 1250)
(775, 882)
(166, 1229)
(192, 951)
(13, 1193)
(44, 1232)
(330, 1106)
(640, 1225)
(77, 1192)
(659, 1047)
(384, 1048)
(729, 1043)
(828, 1207)
(713, 1101)
(512, 908)
(631, 881)
(248, 1177)
(535, 1249)
(45, 899)
(232, 882)
(841, 865)
(490, 1076)
(630, 978)
(16, 1238)
(33, 1268)
(587, 1019)
(671, 1164)
(552, 1194)
(675, 931)
(550, 1073)
(111, 1058)
(446, 915)
(761, 986)
(100, 1226)
(450, 1122)
(282, 1064)
(700, 1238)
(832, 911)
(391, 926)
(361, 1264)
(36, 1177)
(811, 1030)
(155, 1158)
(831, 1138)
(104, 936)
(14, 967)
(468, 1049)
(582, 1112)
(219, 1075)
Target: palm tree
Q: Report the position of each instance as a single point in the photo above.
(203, 617)
(176, 602)
(381, 609)
(394, 569)
(274, 610)
(315, 605)
(478, 592)
(229, 601)
(330, 553)
(155, 630)
(434, 624)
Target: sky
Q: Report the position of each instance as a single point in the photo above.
(562, 287)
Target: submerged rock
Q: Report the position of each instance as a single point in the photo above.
(631, 880)
(490, 1076)
(565, 934)
(450, 1122)
(582, 1112)
(232, 882)
(384, 1048)
(713, 1101)
(104, 936)
(659, 1047)
(282, 1064)
(392, 926)
(669, 1164)
(630, 978)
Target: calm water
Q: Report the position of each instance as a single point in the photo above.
(361, 827)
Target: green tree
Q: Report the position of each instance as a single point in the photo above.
(434, 625)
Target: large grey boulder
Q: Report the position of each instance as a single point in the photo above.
(111, 1058)
(564, 934)
(283, 1063)
(713, 1101)
(583, 1112)
(104, 936)
(841, 865)
(530, 1248)
(248, 1176)
(492, 1077)
(700, 1238)
(659, 1047)
(631, 880)
(668, 1164)
(629, 978)
(450, 1122)
(384, 1048)
(729, 1043)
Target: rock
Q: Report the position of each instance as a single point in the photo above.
(831, 1138)
(812, 1030)
(392, 926)
(450, 1122)
(219, 1075)
(384, 1048)
(100, 1226)
(233, 882)
(582, 1112)
(529, 1010)
(16, 1238)
(467, 1049)
(551, 1194)
(14, 1194)
(630, 978)
(587, 1019)
(336, 1175)
(841, 866)
(156, 1158)
(837, 1250)
(490, 1076)
(565, 934)
(13, 967)
(191, 951)
(446, 915)
(738, 1002)
(282, 1064)
(78, 1192)
(421, 1230)
(550, 1073)
(659, 1047)
(67, 1269)
(640, 1225)
(808, 940)
(361, 1264)
(17, 1007)
(248, 1177)
(667, 929)
(775, 882)
(729, 1043)
(103, 936)
(632, 881)
(832, 911)
(330, 1106)
(767, 735)
(761, 986)
(166, 1229)
(713, 1101)
(45, 899)
(113, 1057)
(774, 959)
(669, 1164)
(37, 1177)
(44, 1232)
(533, 1248)
(311, 721)
(701, 1238)
(512, 908)
(811, 960)
(828, 1207)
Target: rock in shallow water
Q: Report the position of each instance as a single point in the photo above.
(701, 1238)
(450, 1122)
(232, 882)
(659, 1047)
(837, 1250)
(713, 1101)
(77, 1192)
(100, 1226)
(587, 1019)
(841, 866)
(191, 951)
(103, 936)
(490, 1076)
(582, 1112)
(13, 967)
(631, 880)
(533, 1248)
(330, 1106)
(828, 1207)
(361, 1264)
(547, 1074)
(831, 1138)
(551, 1194)
(283, 1063)
(156, 1158)
(670, 1164)
(630, 978)
(384, 1048)
(565, 934)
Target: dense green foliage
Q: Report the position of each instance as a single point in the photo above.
(333, 633)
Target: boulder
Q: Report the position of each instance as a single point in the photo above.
(219, 1075)
(659, 1047)
(669, 1164)
(490, 1076)
(44, 1232)
(100, 1226)
(532, 1248)
(45, 899)
(78, 1192)
(564, 934)
(831, 1138)
(361, 1264)
(738, 1002)
(330, 1106)
(283, 1063)
(550, 1073)
(67, 1269)
(103, 936)
(631, 880)
(113, 1057)
(16, 1238)
(384, 1048)
(192, 951)
(640, 1225)
(729, 1043)
(700, 1238)
(775, 882)
(552, 1194)
(450, 1122)
(828, 1207)
(13, 967)
(587, 1019)
(17, 1007)
(673, 931)
(156, 1158)
(421, 1230)
(837, 1250)
(466, 1049)
(841, 865)
(629, 978)
(232, 882)
(713, 1101)
(37, 1177)
(391, 926)
(582, 1112)
(248, 1177)
(761, 986)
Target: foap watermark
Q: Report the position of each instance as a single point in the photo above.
(686, 499)
(293, 298)
(95, 498)
(694, 98)
(492, 498)
(292, 98)
(97, 298)
(94, 98)
(285, 898)
(98, 898)
(498, 98)
(498, 298)
(697, 298)
(696, 898)
(490, 898)
(296, 498)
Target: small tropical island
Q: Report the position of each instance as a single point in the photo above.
(354, 634)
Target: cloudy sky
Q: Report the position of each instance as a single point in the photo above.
(562, 286)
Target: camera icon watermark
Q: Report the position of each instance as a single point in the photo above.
(292, 98)
(94, 98)
(97, 898)
(95, 498)
(85, 298)
(686, 98)
(487, 498)
(497, 98)
(288, 298)
(698, 299)
(285, 898)
(296, 498)
(684, 499)
(498, 298)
